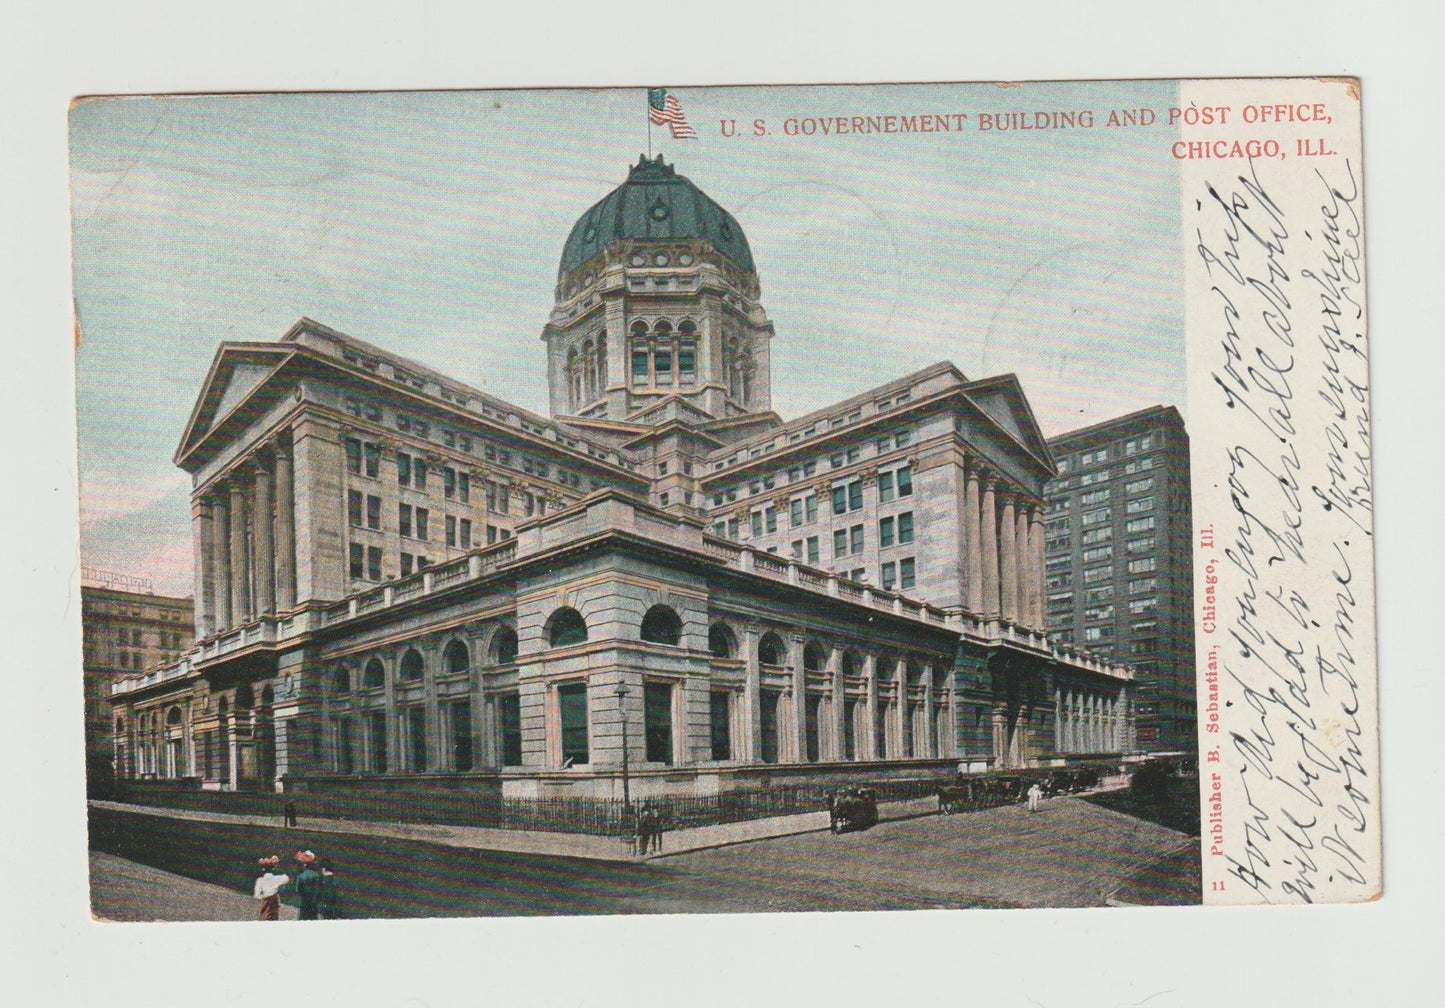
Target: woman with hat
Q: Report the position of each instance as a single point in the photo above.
(268, 888)
(308, 885)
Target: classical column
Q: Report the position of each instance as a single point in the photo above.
(930, 727)
(265, 555)
(752, 713)
(240, 582)
(974, 558)
(988, 550)
(1008, 562)
(394, 760)
(1058, 722)
(202, 550)
(285, 531)
(837, 749)
(800, 700)
(437, 748)
(900, 719)
(1036, 567)
(1023, 557)
(868, 745)
(1000, 738)
(221, 563)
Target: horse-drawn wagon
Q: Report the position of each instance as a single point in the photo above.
(852, 808)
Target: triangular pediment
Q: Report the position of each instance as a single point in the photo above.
(1002, 400)
(237, 371)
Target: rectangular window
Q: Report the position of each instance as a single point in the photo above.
(1143, 585)
(795, 549)
(373, 512)
(408, 564)
(1103, 593)
(720, 724)
(451, 530)
(1140, 505)
(353, 456)
(1141, 566)
(416, 737)
(812, 544)
(1097, 535)
(1094, 575)
(657, 721)
(855, 495)
(769, 724)
(358, 561)
(353, 507)
(421, 519)
(840, 500)
(905, 528)
(1095, 497)
(905, 573)
(373, 563)
(855, 539)
(572, 709)
(732, 528)
(373, 459)
(770, 517)
(403, 519)
(1144, 524)
(757, 524)
(418, 473)
(1061, 599)
(840, 543)
(1143, 545)
(466, 533)
(1144, 605)
(464, 487)
(403, 469)
(810, 508)
(376, 730)
(449, 482)
(795, 512)
(1098, 553)
(509, 726)
(1097, 516)
(885, 532)
(888, 575)
(904, 479)
(639, 365)
(1140, 486)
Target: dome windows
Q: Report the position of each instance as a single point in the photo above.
(637, 259)
(659, 211)
(663, 356)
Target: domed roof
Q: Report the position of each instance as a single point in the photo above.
(654, 202)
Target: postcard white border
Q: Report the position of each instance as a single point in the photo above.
(1162, 956)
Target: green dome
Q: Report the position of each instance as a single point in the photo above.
(655, 202)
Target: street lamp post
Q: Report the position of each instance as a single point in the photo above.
(621, 693)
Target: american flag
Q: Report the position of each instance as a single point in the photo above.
(663, 110)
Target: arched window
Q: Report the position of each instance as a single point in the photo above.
(721, 641)
(173, 717)
(771, 650)
(456, 658)
(662, 353)
(341, 681)
(504, 646)
(566, 626)
(640, 355)
(245, 699)
(574, 385)
(661, 625)
(374, 677)
(686, 352)
(120, 726)
(599, 381)
(815, 657)
(915, 671)
(411, 665)
(852, 664)
(886, 666)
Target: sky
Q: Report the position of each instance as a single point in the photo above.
(431, 223)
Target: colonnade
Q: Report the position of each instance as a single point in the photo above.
(246, 537)
(1087, 722)
(1004, 536)
(894, 718)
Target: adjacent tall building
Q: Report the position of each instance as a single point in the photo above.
(1118, 574)
(126, 628)
(400, 576)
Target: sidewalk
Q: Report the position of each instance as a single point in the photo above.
(573, 845)
(122, 890)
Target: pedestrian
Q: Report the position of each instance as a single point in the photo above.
(1035, 793)
(326, 907)
(290, 813)
(308, 885)
(268, 888)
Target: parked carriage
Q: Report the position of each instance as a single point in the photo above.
(852, 808)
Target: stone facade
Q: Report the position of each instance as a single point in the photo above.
(662, 587)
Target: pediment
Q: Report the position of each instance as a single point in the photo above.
(237, 371)
(1002, 400)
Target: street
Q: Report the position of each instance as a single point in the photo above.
(1072, 853)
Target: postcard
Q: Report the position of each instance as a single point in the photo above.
(443, 500)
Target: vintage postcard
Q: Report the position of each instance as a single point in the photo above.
(725, 499)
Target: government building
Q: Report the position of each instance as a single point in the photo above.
(403, 581)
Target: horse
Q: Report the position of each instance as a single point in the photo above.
(954, 798)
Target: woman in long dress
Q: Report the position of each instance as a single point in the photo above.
(268, 888)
